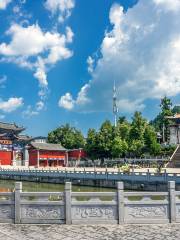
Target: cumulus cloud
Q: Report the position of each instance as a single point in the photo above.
(141, 52)
(169, 4)
(22, 44)
(4, 4)
(29, 112)
(90, 62)
(39, 105)
(32, 42)
(11, 104)
(62, 8)
(33, 111)
(69, 103)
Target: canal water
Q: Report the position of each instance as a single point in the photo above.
(8, 186)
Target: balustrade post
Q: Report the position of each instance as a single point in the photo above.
(165, 175)
(68, 202)
(17, 200)
(148, 175)
(120, 202)
(107, 173)
(172, 201)
(65, 173)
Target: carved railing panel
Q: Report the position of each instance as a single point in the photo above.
(94, 207)
(42, 208)
(177, 209)
(145, 207)
(6, 207)
(42, 214)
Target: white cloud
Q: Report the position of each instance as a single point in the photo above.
(40, 73)
(169, 4)
(22, 44)
(62, 8)
(82, 98)
(16, 9)
(90, 62)
(29, 112)
(39, 105)
(32, 41)
(4, 4)
(127, 105)
(141, 52)
(33, 111)
(67, 101)
(11, 104)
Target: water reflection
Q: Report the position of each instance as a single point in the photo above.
(8, 186)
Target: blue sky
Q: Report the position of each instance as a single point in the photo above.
(59, 59)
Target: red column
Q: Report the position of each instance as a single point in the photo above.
(66, 159)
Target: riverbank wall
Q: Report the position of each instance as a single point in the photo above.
(132, 181)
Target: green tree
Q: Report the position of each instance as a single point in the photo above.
(161, 123)
(138, 126)
(121, 120)
(104, 139)
(91, 144)
(119, 147)
(150, 140)
(136, 148)
(176, 109)
(69, 137)
(123, 130)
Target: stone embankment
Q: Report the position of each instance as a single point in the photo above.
(136, 179)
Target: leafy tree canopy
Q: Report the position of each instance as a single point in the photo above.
(69, 137)
(130, 138)
(161, 123)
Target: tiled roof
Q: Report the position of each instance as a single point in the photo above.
(11, 126)
(47, 146)
(24, 138)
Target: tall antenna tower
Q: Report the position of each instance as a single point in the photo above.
(115, 108)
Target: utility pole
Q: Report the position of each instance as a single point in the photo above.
(115, 108)
(163, 131)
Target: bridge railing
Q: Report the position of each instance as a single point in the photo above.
(93, 174)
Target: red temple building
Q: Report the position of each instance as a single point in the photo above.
(22, 150)
(12, 144)
(75, 155)
(47, 154)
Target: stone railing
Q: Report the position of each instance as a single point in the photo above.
(85, 174)
(149, 161)
(90, 207)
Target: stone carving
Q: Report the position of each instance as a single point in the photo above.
(94, 212)
(5, 212)
(44, 212)
(178, 210)
(146, 212)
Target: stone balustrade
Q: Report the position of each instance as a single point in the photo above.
(84, 174)
(69, 207)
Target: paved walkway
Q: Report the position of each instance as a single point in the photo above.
(100, 232)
